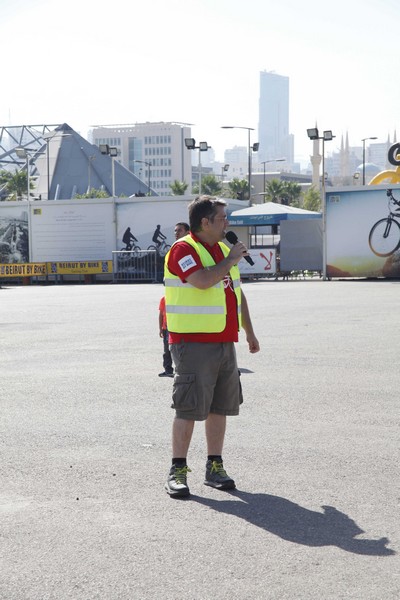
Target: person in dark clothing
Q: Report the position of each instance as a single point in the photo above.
(163, 332)
(158, 237)
(181, 229)
(128, 238)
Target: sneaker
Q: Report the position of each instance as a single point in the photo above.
(165, 374)
(217, 477)
(176, 483)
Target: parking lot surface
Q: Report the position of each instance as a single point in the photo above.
(85, 425)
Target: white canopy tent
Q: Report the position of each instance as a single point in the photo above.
(270, 213)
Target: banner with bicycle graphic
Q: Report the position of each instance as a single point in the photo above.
(73, 232)
(363, 231)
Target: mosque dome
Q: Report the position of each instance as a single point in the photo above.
(370, 169)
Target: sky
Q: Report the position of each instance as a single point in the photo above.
(95, 62)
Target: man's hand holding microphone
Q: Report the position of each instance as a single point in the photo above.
(238, 249)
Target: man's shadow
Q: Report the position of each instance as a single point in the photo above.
(296, 524)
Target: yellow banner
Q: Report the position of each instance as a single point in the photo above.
(22, 269)
(79, 267)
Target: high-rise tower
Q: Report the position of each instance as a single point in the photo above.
(273, 120)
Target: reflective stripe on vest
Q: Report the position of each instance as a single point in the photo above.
(192, 310)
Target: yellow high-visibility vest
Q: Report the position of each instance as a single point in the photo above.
(191, 310)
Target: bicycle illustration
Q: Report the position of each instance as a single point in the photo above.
(384, 237)
(162, 248)
(131, 250)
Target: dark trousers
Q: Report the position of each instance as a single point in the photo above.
(167, 359)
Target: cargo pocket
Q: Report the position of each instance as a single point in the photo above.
(184, 397)
(240, 389)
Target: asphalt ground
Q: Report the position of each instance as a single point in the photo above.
(85, 427)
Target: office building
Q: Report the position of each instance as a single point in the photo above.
(273, 124)
(154, 152)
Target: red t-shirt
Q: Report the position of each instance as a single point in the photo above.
(161, 308)
(184, 253)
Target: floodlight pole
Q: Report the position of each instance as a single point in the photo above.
(113, 175)
(190, 144)
(326, 137)
(47, 139)
(23, 153)
(148, 165)
(112, 152)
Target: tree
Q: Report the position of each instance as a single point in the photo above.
(312, 200)
(210, 185)
(239, 188)
(178, 188)
(291, 193)
(274, 191)
(93, 193)
(15, 184)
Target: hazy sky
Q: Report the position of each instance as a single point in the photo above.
(88, 62)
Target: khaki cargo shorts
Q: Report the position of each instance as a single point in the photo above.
(206, 380)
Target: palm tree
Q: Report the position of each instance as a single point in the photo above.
(274, 191)
(15, 184)
(291, 193)
(210, 185)
(239, 188)
(178, 188)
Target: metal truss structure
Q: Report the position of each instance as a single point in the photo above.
(29, 137)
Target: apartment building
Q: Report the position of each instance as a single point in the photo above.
(154, 152)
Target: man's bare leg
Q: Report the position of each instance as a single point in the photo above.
(182, 430)
(215, 433)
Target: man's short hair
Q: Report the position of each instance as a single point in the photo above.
(183, 224)
(203, 207)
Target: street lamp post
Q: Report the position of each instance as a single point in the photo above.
(224, 170)
(250, 148)
(363, 163)
(47, 139)
(190, 144)
(113, 152)
(327, 136)
(148, 172)
(22, 153)
(264, 162)
(90, 160)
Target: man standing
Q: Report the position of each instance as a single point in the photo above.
(181, 229)
(205, 308)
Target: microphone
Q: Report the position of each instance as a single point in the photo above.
(233, 239)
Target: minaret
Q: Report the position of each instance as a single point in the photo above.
(388, 144)
(342, 159)
(347, 156)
